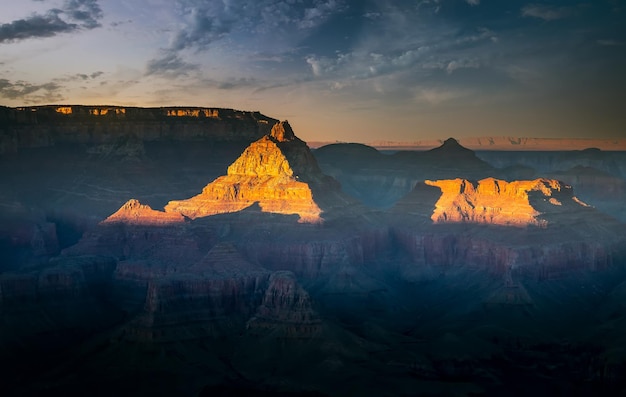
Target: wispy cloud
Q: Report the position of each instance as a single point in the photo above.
(205, 23)
(169, 64)
(30, 93)
(547, 13)
(473, 2)
(79, 77)
(73, 16)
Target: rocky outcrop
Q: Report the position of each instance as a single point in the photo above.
(497, 202)
(537, 227)
(278, 172)
(135, 213)
(102, 126)
(286, 310)
(218, 296)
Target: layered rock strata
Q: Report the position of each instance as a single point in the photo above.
(278, 172)
(286, 310)
(537, 226)
(45, 126)
(135, 213)
(497, 202)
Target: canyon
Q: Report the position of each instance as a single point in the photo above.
(233, 259)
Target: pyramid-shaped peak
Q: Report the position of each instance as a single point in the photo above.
(282, 132)
(452, 146)
(135, 213)
(451, 143)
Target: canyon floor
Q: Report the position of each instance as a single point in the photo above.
(258, 267)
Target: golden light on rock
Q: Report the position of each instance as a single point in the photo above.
(64, 110)
(135, 213)
(192, 113)
(498, 202)
(262, 175)
(105, 111)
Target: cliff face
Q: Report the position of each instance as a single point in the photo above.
(459, 222)
(286, 308)
(541, 255)
(278, 172)
(43, 126)
(497, 202)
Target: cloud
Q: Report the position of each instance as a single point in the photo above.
(473, 2)
(78, 77)
(30, 93)
(462, 64)
(546, 13)
(73, 16)
(86, 12)
(170, 65)
(318, 12)
(205, 23)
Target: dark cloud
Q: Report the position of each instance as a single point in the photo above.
(119, 23)
(86, 12)
(74, 15)
(30, 93)
(169, 64)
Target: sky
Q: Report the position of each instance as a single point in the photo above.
(338, 70)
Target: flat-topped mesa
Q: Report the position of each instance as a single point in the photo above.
(135, 213)
(497, 202)
(55, 125)
(277, 172)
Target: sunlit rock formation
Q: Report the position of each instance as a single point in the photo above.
(277, 172)
(537, 226)
(135, 213)
(497, 202)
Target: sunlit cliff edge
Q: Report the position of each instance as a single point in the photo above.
(497, 202)
(51, 125)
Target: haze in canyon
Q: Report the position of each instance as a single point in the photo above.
(312, 198)
(209, 251)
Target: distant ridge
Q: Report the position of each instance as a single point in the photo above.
(501, 143)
